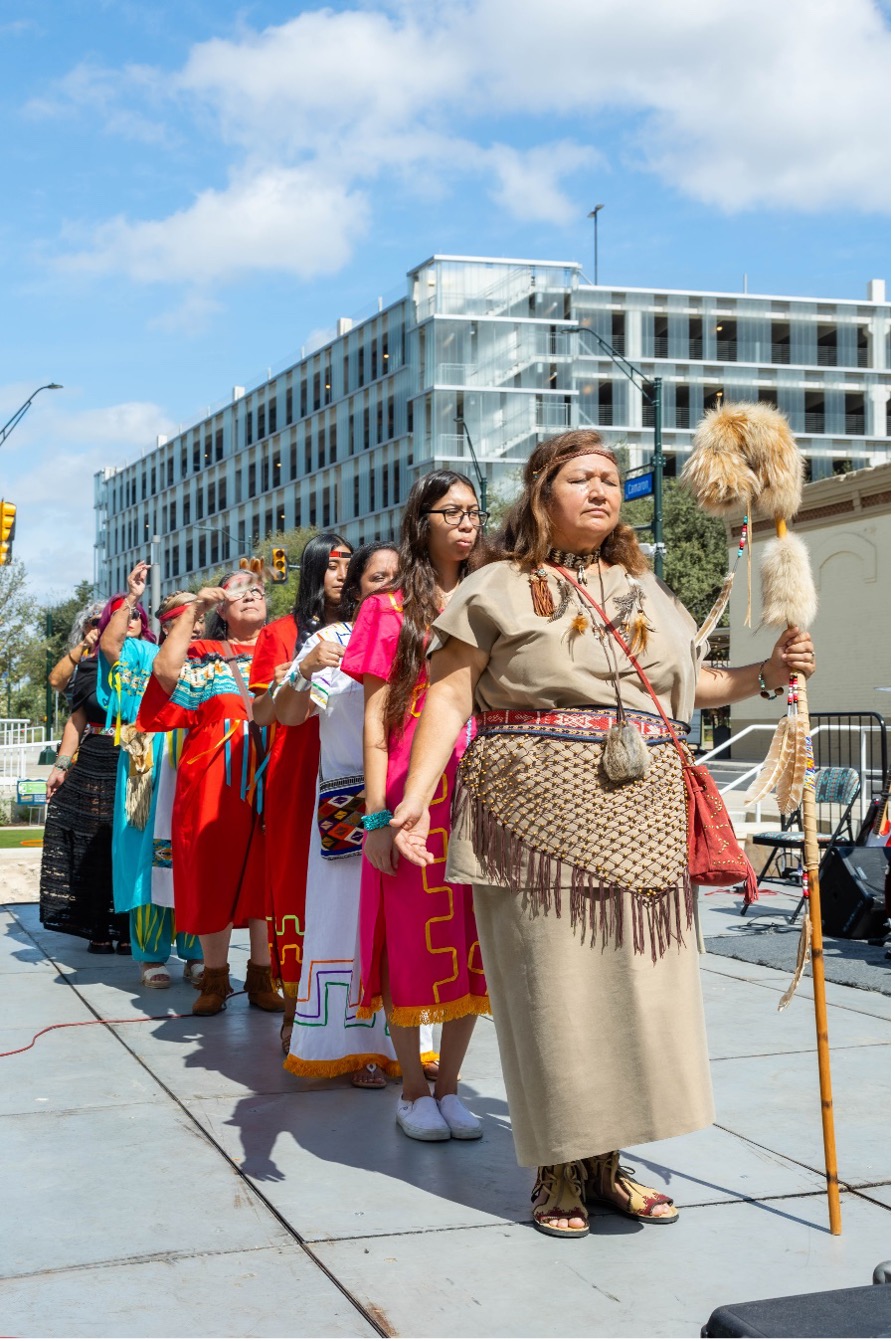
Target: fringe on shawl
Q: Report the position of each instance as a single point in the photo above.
(658, 917)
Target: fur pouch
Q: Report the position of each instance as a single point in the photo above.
(626, 755)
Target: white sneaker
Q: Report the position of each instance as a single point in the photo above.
(464, 1126)
(421, 1120)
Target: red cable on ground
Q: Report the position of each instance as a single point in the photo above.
(79, 1024)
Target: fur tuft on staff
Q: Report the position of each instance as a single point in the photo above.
(718, 472)
(775, 459)
(789, 597)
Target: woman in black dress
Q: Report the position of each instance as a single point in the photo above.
(76, 867)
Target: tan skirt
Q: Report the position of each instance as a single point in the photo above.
(600, 1047)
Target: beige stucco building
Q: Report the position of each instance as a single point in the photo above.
(846, 523)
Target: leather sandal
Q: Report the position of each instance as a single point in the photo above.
(154, 975)
(369, 1077)
(558, 1194)
(604, 1176)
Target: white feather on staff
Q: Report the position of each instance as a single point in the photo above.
(778, 760)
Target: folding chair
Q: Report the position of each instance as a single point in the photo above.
(835, 789)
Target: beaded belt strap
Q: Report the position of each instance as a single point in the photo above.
(94, 729)
(571, 723)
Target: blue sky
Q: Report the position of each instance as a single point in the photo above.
(194, 191)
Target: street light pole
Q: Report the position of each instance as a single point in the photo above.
(23, 409)
(593, 215)
(651, 388)
(480, 478)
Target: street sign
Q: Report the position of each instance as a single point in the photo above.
(640, 486)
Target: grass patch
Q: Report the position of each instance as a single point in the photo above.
(14, 837)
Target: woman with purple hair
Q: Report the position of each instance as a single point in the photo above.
(76, 868)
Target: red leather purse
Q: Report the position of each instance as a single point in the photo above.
(714, 857)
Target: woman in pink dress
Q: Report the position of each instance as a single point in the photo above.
(418, 950)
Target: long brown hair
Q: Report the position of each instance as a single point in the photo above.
(526, 536)
(416, 579)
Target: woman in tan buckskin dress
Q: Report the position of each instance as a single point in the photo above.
(582, 896)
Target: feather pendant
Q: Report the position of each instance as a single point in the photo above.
(717, 610)
(638, 633)
(772, 767)
(579, 625)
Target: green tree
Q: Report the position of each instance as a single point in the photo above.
(696, 558)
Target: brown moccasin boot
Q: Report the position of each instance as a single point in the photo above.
(215, 989)
(260, 988)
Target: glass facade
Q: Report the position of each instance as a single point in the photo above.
(495, 351)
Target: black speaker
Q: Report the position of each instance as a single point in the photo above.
(853, 891)
(863, 1310)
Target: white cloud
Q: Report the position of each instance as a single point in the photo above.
(333, 117)
(528, 183)
(106, 92)
(286, 219)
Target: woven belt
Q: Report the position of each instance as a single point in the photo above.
(590, 723)
(94, 729)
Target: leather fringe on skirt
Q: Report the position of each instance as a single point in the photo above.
(658, 918)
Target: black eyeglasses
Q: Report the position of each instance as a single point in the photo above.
(454, 516)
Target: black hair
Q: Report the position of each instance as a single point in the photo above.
(357, 565)
(419, 585)
(309, 610)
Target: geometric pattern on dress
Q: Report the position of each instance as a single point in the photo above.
(162, 853)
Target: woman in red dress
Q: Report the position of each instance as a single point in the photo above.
(217, 835)
(294, 757)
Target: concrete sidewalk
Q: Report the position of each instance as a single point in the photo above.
(168, 1178)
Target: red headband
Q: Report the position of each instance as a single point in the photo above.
(174, 612)
(118, 602)
(340, 554)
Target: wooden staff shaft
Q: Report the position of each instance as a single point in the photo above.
(811, 859)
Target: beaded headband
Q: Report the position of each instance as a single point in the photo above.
(582, 451)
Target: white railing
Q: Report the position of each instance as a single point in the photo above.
(867, 775)
(19, 731)
(17, 761)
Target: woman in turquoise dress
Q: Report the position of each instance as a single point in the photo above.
(125, 665)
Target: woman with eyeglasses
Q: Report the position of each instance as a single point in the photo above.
(76, 878)
(217, 836)
(418, 949)
(293, 759)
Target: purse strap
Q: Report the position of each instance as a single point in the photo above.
(688, 763)
(232, 658)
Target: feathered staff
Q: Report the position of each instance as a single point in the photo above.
(745, 458)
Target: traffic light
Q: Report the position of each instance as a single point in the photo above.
(280, 566)
(7, 530)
